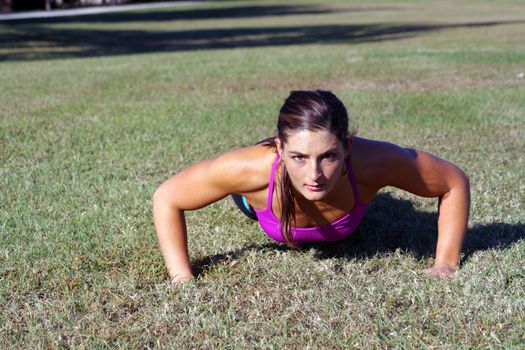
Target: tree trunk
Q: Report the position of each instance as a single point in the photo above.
(6, 6)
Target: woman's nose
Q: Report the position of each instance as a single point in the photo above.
(315, 170)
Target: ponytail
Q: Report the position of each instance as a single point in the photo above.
(287, 210)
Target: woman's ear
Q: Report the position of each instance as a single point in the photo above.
(279, 146)
(349, 143)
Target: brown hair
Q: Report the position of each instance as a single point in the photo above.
(307, 110)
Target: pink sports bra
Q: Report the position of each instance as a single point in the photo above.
(334, 231)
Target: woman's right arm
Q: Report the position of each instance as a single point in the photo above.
(195, 187)
(171, 234)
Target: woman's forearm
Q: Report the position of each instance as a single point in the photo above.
(171, 234)
(454, 210)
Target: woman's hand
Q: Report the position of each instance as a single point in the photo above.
(442, 270)
(182, 278)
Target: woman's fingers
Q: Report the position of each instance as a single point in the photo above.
(181, 279)
(441, 271)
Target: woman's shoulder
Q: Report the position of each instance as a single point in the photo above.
(247, 168)
(254, 158)
(372, 160)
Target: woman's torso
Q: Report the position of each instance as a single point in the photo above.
(339, 203)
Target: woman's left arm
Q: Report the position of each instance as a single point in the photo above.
(426, 175)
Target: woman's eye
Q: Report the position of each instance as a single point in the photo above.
(330, 156)
(298, 158)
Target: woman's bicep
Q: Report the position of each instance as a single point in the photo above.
(195, 187)
(421, 173)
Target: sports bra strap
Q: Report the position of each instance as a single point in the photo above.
(272, 181)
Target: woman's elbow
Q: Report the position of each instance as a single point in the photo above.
(461, 184)
(457, 183)
(464, 180)
(160, 196)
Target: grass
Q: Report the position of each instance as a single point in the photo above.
(97, 111)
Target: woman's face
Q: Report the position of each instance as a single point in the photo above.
(314, 161)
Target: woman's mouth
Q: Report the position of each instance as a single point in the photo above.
(315, 188)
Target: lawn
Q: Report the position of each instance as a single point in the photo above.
(96, 111)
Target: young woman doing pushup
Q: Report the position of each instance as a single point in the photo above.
(311, 183)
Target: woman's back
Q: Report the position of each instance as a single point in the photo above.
(308, 162)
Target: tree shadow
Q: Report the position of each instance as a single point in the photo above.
(178, 14)
(389, 224)
(31, 41)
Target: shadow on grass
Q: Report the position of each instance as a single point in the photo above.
(41, 40)
(177, 14)
(389, 224)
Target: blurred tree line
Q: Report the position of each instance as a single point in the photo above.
(24, 5)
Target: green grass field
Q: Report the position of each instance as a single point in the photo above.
(97, 111)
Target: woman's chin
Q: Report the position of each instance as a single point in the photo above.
(313, 195)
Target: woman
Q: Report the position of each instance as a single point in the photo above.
(311, 183)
